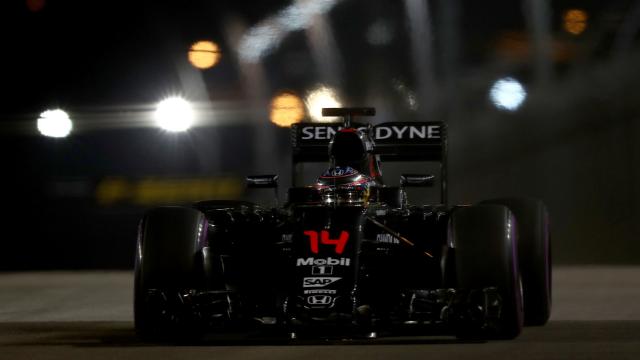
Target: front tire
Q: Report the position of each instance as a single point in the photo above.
(534, 255)
(484, 239)
(169, 240)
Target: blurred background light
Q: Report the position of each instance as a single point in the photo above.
(406, 93)
(575, 21)
(507, 94)
(379, 33)
(259, 41)
(54, 123)
(174, 114)
(35, 5)
(319, 98)
(262, 38)
(287, 109)
(204, 54)
(300, 14)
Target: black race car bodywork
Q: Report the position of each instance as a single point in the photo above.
(346, 254)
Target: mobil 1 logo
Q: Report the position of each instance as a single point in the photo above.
(330, 261)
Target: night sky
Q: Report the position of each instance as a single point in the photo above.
(118, 53)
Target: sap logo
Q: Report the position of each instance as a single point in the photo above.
(319, 300)
(322, 262)
(318, 281)
(387, 239)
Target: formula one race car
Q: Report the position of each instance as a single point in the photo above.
(346, 255)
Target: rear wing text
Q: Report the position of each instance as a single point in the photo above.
(394, 141)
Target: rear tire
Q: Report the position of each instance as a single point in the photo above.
(484, 238)
(534, 256)
(169, 241)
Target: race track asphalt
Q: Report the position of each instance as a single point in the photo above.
(88, 315)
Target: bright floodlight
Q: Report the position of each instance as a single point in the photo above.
(507, 94)
(174, 114)
(54, 123)
(319, 98)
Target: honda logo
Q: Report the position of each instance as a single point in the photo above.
(319, 300)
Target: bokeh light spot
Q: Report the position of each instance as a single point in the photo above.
(507, 94)
(204, 54)
(54, 123)
(174, 114)
(319, 98)
(575, 21)
(286, 109)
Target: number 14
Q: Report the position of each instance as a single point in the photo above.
(323, 238)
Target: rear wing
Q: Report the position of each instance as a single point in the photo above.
(394, 141)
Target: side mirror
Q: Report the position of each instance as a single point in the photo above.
(416, 180)
(262, 181)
